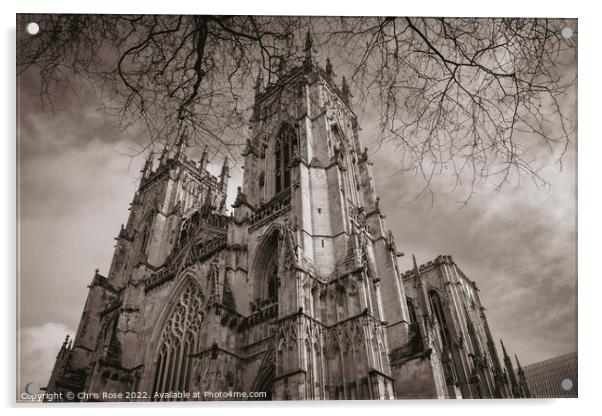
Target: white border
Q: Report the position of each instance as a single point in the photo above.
(590, 209)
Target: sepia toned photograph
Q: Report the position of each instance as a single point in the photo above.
(272, 208)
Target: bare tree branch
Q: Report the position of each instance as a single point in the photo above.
(479, 100)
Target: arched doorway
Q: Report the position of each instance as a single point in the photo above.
(265, 383)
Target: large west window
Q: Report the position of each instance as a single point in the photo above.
(179, 339)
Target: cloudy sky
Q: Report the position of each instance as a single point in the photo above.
(76, 182)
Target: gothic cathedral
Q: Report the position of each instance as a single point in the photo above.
(296, 294)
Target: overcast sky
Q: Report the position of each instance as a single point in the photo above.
(519, 245)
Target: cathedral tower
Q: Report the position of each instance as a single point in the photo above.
(318, 250)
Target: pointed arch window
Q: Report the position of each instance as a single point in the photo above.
(179, 339)
(146, 235)
(309, 382)
(437, 308)
(284, 153)
(266, 271)
(340, 151)
(411, 310)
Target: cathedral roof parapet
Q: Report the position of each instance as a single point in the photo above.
(439, 261)
(431, 264)
(190, 253)
(364, 319)
(202, 175)
(201, 219)
(308, 71)
(279, 204)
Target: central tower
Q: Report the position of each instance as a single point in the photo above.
(317, 241)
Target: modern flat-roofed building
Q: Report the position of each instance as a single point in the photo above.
(556, 377)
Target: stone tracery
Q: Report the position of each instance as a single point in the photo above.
(179, 339)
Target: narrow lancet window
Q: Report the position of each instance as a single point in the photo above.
(284, 153)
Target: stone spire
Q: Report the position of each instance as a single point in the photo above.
(416, 270)
(224, 175)
(497, 368)
(66, 342)
(345, 91)
(164, 154)
(259, 89)
(180, 144)
(308, 49)
(510, 371)
(477, 356)
(329, 71)
(522, 378)
(148, 165)
(204, 159)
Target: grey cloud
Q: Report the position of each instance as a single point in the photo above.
(519, 245)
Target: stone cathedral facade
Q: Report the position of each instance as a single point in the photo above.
(296, 294)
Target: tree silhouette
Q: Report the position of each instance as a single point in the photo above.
(477, 99)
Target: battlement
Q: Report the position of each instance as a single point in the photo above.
(301, 73)
(307, 72)
(195, 168)
(430, 265)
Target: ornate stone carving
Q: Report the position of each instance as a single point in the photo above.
(288, 247)
(178, 340)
